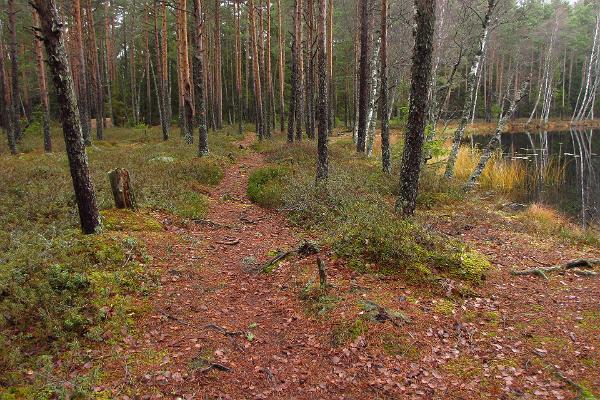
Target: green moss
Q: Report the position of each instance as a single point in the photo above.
(265, 186)
(317, 301)
(464, 367)
(128, 220)
(395, 345)
(191, 205)
(590, 321)
(349, 331)
(444, 307)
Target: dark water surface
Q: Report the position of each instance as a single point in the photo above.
(573, 155)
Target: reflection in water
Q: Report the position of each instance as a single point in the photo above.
(562, 169)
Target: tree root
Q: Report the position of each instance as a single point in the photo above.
(574, 265)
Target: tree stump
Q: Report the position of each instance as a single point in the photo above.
(121, 188)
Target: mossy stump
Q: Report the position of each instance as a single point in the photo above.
(121, 188)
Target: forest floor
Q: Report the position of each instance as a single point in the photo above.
(219, 328)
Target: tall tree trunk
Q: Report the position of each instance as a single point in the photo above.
(147, 67)
(363, 78)
(82, 100)
(7, 119)
(309, 81)
(199, 81)
(293, 101)
(256, 70)
(188, 111)
(330, 82)
(469, 96)
(417, 115)
(14, 66)
(299, 71)
(41, 67)
(107, 59)
(383, 95)
(268, 75)
(281, 70)
(322, 151)
(238, 66)
(218, 68)
(162, 95)
(52, 33)
(96, 72)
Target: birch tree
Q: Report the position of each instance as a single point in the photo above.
(471, 81)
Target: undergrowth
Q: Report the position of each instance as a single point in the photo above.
(355, 215)
(61, 291)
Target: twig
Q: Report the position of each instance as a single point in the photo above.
(574, 265)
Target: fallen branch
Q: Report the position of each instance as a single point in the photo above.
(574, 265)
(229, 241)
(216, 366)
(224, 331)
(307, 248)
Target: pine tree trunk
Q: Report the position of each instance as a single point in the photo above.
(218, 68)
(256, 71)
(147, 67)
(281, 71)
(52, 33)
(268, 75)
(162, 96)
(417, 115)
(383, 95)
(82, 80)
(6, 119)
(363, 78)
(309, 81)
(299, 71)
(293, 101)
(14, 66)
(96, 72)
(323, 113)
(107, 60)
(238, 66)
(331, 90)
(199, 81)
(41, 70)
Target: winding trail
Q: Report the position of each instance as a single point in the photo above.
(218, 329)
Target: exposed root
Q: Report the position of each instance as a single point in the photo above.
(574, 265)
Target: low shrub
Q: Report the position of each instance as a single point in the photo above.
(266, 186)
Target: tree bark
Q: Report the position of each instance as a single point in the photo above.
(281, 70)
(323, 113)
(121, 188)
(162, 96)
(309, 81)
(82, 80)
(7, 119)
(218, 68)
(107, 60)
(256, 71)
(52, 34)
(238, 66)
(96, 71)
(199, 83)
(299, 71)
(14, 66)
(363, 78)
(417, 115)
(41, 70)
(293, 101)
(383, 95)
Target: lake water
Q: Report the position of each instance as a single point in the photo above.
(575, 153)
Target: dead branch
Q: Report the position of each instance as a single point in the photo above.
(305, 249)
(574, 265)
(322, 273)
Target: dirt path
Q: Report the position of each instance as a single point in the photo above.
(217, 329)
